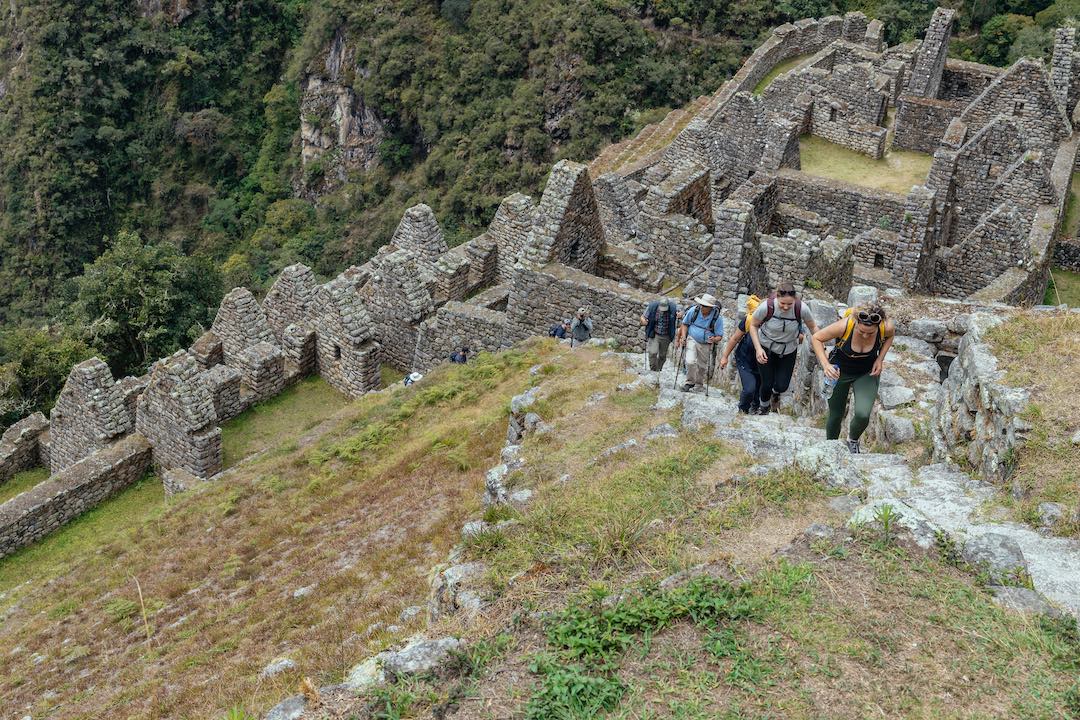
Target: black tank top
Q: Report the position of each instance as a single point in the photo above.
(854, 363)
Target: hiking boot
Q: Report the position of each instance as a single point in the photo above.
(774, 404)
(688, 387)
(853, 446)
(761, 410)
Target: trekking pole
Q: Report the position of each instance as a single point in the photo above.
(682, 354)
(712, 364)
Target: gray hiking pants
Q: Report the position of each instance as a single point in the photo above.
(697, 361)
(657, 349)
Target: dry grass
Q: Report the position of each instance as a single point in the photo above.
(1041, 352)
(897, 172)
(358, 519)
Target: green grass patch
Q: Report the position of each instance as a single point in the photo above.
(780, 69)
(1071, 222)
(111, 521)
(389, 375)
(21, 482)
(784, 490)
(284, 417)
(897, 172)
(1063, 288)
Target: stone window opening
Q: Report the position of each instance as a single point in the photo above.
(1018, 108)
(690, 207)
(337, 352)
(832, 114)
(879, 260)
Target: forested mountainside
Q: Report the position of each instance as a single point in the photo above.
(155, 153)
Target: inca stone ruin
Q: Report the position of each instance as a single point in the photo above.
(723, 208)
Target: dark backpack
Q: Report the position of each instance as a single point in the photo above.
(770, 305)
(696, 310)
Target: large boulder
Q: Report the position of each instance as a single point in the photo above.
(999, 556)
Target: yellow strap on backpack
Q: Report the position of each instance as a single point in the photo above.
(850, 315)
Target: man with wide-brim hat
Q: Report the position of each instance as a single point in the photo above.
(701, 328)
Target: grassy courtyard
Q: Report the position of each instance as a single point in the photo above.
(22, 482)
(780, 69)
(1064, 288)
(897, 172)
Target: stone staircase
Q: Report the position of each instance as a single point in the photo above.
(938, 503)
(651, 138)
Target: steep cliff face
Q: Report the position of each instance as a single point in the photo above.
(338, 129)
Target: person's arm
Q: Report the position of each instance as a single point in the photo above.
(588, 324)
(890, 334)
(731, 343)
(818, 340)
(680, 334)
(643, 321)
(762, 357)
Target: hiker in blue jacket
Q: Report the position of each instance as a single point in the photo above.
(659, 321)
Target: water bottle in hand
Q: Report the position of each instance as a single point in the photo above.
(828, 385)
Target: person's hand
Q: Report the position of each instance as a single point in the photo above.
(723, 363)
(762, 357)
(678, 343)
(877, 367)
(801, 338)
(716, 338)
(831, 372)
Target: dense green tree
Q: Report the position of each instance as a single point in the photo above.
(138, 301)
(34, 363)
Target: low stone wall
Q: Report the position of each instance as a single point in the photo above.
(541, 297)
(36, 513)
(1067, 255)
(19, 446)
(457, 324)
(921, 122)
(851, 209)
(977, 418)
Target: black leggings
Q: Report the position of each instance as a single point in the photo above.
(776, 374)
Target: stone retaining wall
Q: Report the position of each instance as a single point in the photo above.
(1067, 255)
(851, 209)
(542, 297)
(978, 418)
(34, 514)
(19, 446)
(455, 325)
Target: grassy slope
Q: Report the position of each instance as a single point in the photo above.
(361, 516)
(1042, 353)
(896, 172)
(779, 70)
(22, 482)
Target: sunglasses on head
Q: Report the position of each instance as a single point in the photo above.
(869, 318)
(785, 293)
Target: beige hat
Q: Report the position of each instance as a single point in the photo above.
(706, 299)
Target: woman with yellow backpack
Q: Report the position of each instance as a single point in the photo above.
(863, 338)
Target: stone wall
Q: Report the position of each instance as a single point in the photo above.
(240, 323)
(921, 122)
(1023, 93)
(34, 514)
(543, 296)
(89, 414)
(925, 78)
(567, 227)
(510, 231)
(455, 325)
(1067, 254)
(176, 415)
(419, 232)
(19, 446)
(289, 300)
(979, 165)
(977, 419)
(348, 356)
(964, 81)
(850, 208)
(746, 212)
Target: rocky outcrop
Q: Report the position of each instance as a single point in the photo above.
(338, 129)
